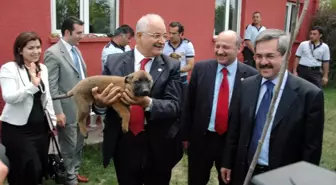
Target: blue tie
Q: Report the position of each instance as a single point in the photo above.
(76, 61)
(261, 119)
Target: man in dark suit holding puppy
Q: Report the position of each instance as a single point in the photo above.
(296, 130)
(148, 152)
(210, 102)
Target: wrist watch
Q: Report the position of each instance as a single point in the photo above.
(149, 107)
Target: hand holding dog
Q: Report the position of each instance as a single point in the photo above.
(108, 97)
(129, 99)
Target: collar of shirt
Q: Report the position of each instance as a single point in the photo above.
(316, 46)
(117, 46)
(232, 68)
(260, 26)
(275, 80)
(138, 56)
(171, 45)
(67, 45)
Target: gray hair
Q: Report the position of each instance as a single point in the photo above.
(270, 34)
(143, 22)
(231, 32)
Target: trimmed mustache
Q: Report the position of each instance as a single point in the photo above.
(265, 66)
(220, 55)
(158, 45)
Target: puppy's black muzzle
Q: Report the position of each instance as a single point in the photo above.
(144, 92)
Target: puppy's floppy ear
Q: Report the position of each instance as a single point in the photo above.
(128, 78)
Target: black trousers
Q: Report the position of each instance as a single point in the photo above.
(28, 155)
(311, 74)
(248, 57)
(139, 160)
(203, 152)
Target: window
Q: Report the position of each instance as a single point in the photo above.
(99, 16)
(227, 15)
(290, 8)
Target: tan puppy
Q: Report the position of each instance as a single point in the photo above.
(139, 83)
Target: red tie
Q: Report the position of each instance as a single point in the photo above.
(137, 120)
(222, 112)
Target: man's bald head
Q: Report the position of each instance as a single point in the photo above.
(230, 35)
(150, 35)
(227, 47)
(148, 20)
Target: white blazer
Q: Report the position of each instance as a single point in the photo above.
(19, 94)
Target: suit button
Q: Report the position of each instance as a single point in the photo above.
(246, 145)
(77, 76)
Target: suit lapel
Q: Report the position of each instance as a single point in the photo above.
(286, 100)
(66, 55)
(253, 92)
(158, 67)
(23, 75)
(127, 66)
(210, 79)
(239, 74)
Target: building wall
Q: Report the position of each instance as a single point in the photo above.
(273, 16)
(25, 17)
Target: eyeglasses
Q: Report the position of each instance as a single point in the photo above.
(157, 35)
(269, 56)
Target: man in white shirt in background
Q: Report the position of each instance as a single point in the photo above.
(180, 48)
(119, 42)
(311, 57)
(251, 33)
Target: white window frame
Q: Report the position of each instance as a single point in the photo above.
(289, 15)
(227, 13)
(83, 15)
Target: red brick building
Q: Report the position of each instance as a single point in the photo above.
(202, 20)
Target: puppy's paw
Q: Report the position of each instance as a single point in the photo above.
(125, 130)
(84, 133)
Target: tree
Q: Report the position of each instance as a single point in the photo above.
(100, 14)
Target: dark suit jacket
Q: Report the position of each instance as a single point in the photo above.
(198, 106)
(165, 111)
(297, 129)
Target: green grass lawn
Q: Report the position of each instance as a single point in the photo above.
(92, 164)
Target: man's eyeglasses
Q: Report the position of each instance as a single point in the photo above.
(157, 35)
(269, 56)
